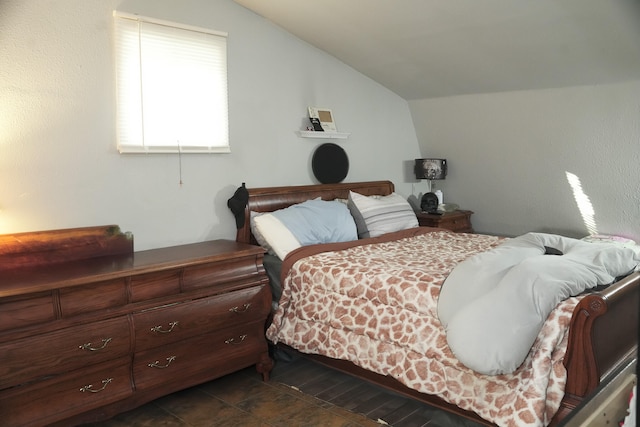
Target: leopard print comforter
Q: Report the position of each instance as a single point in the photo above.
(375, 305)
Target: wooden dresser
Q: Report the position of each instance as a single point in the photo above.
(89, 328)
(458, 221)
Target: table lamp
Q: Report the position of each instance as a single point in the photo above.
(430, 169)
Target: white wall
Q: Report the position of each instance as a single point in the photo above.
(59, 167)
(509, 154)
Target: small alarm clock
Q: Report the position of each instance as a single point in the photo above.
(429, 203)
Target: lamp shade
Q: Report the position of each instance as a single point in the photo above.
(430, 168)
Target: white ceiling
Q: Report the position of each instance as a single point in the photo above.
(433, 48)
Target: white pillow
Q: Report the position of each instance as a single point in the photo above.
(375, 216)
(275, 237)
(307, 223)
(258, 234)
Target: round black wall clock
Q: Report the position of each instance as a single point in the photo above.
(330, 163)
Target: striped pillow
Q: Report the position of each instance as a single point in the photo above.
(380, 215)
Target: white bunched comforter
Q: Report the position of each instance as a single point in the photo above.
(494, 303)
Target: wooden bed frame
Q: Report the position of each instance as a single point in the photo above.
(602, 336)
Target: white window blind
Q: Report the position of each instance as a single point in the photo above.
(171, 87)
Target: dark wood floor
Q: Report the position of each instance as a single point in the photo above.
(360, 397)
(300, 393)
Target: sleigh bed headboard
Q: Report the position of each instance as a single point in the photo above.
(269, 199)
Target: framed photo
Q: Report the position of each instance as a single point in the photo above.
(325, 116)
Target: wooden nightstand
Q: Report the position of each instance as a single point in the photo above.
(458, 221)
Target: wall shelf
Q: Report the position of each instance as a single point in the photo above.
(322, 135)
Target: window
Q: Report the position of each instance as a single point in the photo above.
(171, 87)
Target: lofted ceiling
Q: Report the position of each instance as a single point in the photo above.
(434, 48)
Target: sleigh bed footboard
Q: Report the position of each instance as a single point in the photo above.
(602, 336)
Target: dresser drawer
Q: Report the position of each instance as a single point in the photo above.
(93, 297)
(200, 358)
(25, 310)
(44, 355)
(172, 323)
(45, 402)
(154, 285)
(220, 272)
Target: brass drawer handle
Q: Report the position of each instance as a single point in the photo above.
(158, 329)
(233, 340)
(88, 347)
(157, 364)
(90, 389)
(236, 309)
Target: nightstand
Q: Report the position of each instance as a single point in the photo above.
(458, 221)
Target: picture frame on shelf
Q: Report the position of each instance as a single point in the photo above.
(325, 117)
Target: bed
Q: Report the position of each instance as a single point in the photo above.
(600, 325)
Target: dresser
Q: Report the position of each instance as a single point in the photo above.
(458, 221)
(89, 328)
